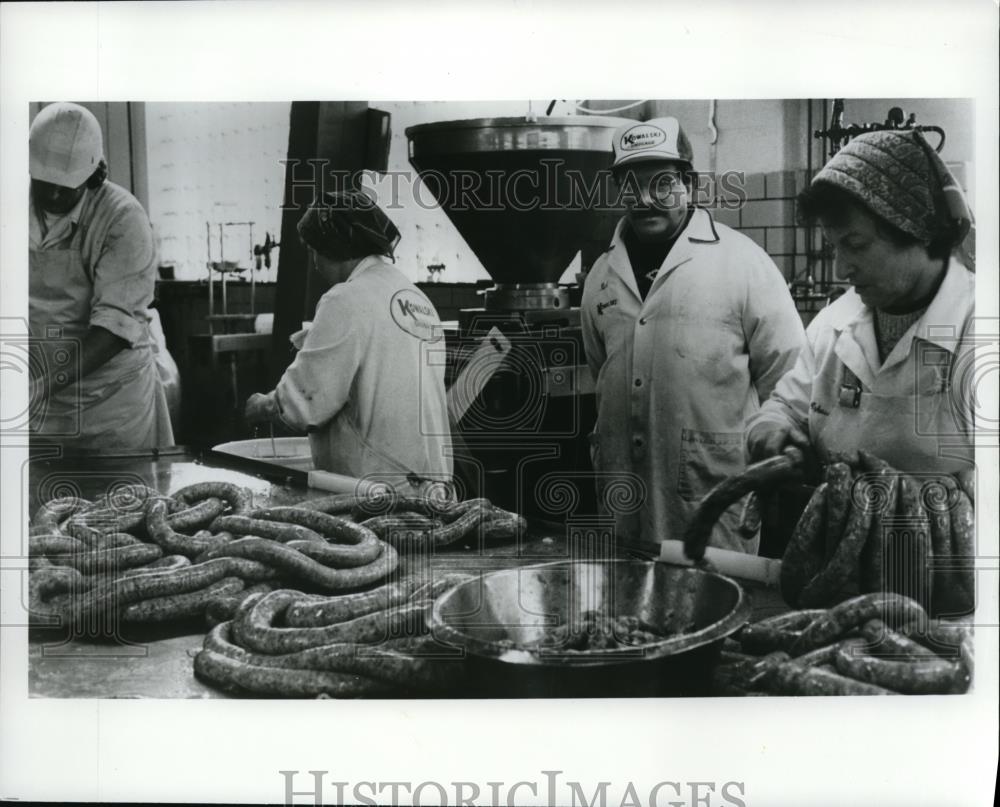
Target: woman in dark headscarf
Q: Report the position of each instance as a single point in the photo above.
(368, 381)
(889, 365)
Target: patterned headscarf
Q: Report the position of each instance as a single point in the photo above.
(900, 178)
(348, 224)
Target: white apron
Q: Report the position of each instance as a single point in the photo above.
(121, 405)
(908, 431)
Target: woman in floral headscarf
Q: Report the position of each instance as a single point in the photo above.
(889, 366)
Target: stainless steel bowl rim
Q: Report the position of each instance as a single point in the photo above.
(539, 122)
(738, 616)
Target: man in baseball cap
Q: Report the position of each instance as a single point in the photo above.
(687, 326)
(653, 165)
(92, 272)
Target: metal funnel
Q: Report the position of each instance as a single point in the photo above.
(525, 194)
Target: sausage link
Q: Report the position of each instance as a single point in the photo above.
(884, 642)
(383, 525)
(838, 504)
(239, 499)
(948, 596)
(222, 609)
(938, 496)
(421, 667)
(963, 552)
(107, 596)
(821, 656)
(792, 620)
(338, 504)
(803, 557)
(909, 552)
(382, 503)
(103, 520)
(331, 610)
(131, 498)
(967, 658)
(779, 632)
(891, 608)
(967, 482)
(274, 530)
(795, 679)
(178, 607)
(231, 674)
(872, 570)
(749, 522)
(462, 527)
(197, 515)
(111, 540)
(354, 544)
(54, 544)
(757, 674)
(174, 542)
(254, 628)
(45, 582)
(842, 568)
(758, 476)
(50, 515)
(166, 562)
(924, 677)
(458, 509)
(938, 634)
(296, 565)
(503, 529)
(110, 560)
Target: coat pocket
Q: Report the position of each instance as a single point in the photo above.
(706, 459)
(707, 337)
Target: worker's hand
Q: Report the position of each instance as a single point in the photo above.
(260, 408)
(768, 439)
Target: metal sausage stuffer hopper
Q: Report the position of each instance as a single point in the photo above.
(542, 193)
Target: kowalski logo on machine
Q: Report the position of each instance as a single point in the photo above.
(413, 313)
(642, 136)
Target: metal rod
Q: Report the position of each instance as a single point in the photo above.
(235, 380)
(208, 265)
(222, 268)
(253, 274)
(824, 274)
(811, 229)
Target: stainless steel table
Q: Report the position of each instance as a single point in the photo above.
(147, 663)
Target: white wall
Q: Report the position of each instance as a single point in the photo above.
(211, 162)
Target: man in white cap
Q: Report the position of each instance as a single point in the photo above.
(687, 327)
(91, 279)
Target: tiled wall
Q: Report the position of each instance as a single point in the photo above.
(768, 217)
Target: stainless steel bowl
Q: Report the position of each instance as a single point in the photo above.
(497, 618)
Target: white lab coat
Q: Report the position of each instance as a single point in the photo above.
(368, 383)
(678, 374)
(916, 410)
(95, 266)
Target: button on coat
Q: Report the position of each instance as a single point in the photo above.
(678, 374)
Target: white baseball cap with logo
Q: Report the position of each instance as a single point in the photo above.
(65, 145)
(656, 139)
